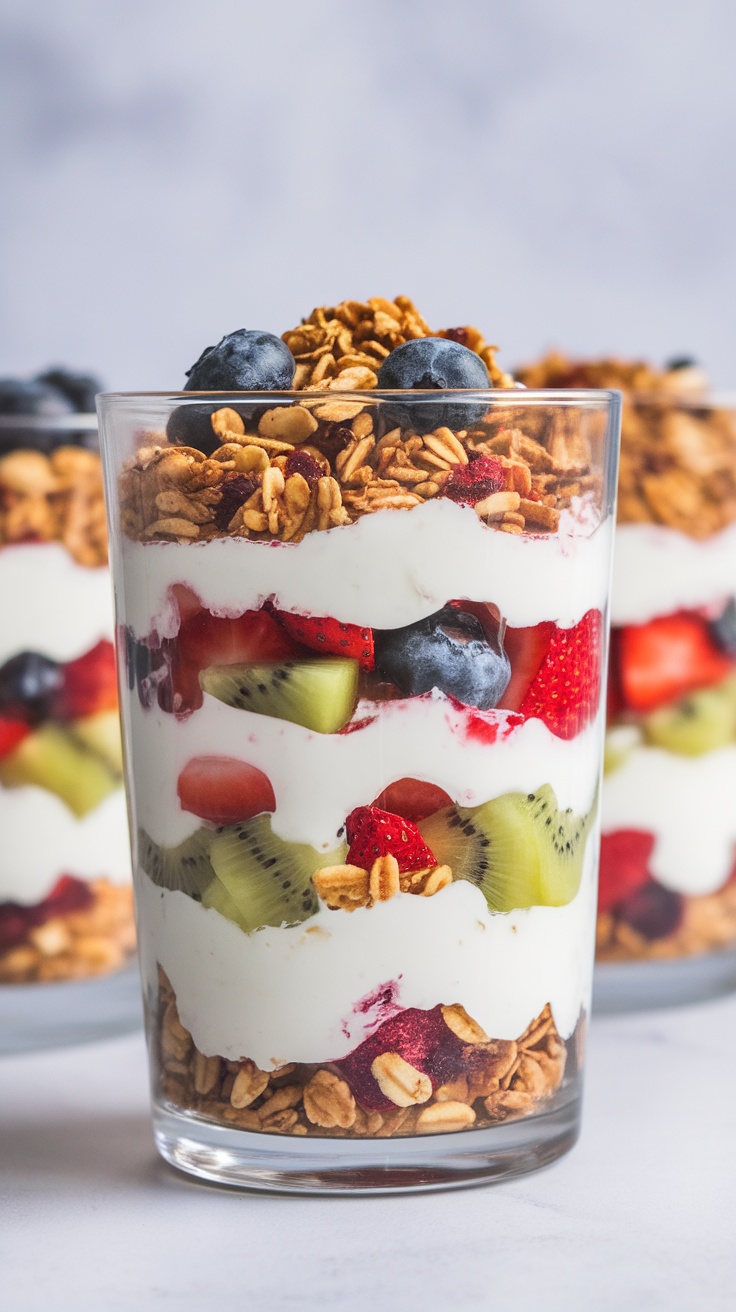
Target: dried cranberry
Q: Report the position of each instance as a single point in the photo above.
(236, 490)
(456, 335)
(332, 438)
(475, 481)
(300, 462)
(15, 924)
(653, 911)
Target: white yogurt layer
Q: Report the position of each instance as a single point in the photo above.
(319, 778)
(50, 604)
(687, 803)
(290, 994)
(658, 570)
(42, 839)
(386, 570)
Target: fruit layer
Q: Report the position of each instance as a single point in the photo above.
(426, 738)
(41, 838)
(50, 603)
(307, 989)
(658, 571)
(394, 569)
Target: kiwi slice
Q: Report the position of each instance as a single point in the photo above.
(185, 868)
(519, 849)
(268, 880)
(701, 722)
(51, 758)
(620, 743)
(101, 734)
(319, 695)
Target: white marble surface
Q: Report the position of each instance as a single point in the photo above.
(639, 1216)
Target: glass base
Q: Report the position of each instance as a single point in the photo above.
(417, 1164)
(34, 1016)
(638, 985)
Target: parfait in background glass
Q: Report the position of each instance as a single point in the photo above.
(363, 623)
(667, 904)
(66, 913)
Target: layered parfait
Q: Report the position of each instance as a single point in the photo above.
(65, 884)
(364, 631)
(668, 872)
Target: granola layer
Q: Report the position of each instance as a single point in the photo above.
(94, 939)
(54, 498)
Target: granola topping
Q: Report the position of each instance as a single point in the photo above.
(55, 498)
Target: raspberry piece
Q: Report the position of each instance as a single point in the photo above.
(475, 481)
(330, 636)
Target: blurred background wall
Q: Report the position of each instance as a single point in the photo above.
(556, 171)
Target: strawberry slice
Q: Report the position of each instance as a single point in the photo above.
(373, 833)
(12, 732)
(206, 639)
(224, 790)
(565, 691)
(664, 660)
(89, 684)
(412, 799)
(321, 633)
(624, 865)
(526, 649)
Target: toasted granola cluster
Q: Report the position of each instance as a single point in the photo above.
(708, 925)
(343, 346)
(347, 887)
(92, 940)
(54, 498)
(678, 453)
(503, 1080)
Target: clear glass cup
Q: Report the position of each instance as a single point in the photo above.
(365, 641)
(667, 913)
(67, 933)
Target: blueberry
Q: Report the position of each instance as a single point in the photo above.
(191, 425)
(653, 911)
(244, 361)
(28, 684)
(32, 397)
(723, 629)
(434, 363)
(79, 389)
(680, 362)
(449, 651)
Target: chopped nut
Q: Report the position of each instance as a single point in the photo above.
(328, 1101)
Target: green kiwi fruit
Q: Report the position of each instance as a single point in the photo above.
(699, 723)
(51, 758)
(101, 734)
(185, 868)
(267, 879)
(518, 849)
(319, 694)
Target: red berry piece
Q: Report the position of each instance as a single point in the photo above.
(624, 865)
(89, 684)
(565, 692)
(224, 790)
(236, 489)
(526, 649)
(331, 637)
(69, 894)
(206, 639)
(412, 799)
(372, 833)
(664, 660)
(653, 911)
(12, 732)
(422, 1038)
(300, 462)
(475, 481)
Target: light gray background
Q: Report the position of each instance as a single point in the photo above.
(557, 171)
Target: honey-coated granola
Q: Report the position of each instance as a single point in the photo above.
(678, 452)
(708, 925)
(92, 940)
(54, 498)
(501, 1080)
(318, 463)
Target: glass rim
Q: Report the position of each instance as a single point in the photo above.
(491, 395)
(85, 420)
(718, 399)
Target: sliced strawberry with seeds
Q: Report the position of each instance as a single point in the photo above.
(667, 658)
(565, 692)
(224, 790)
(372, 833)
(624, 865)
(526, 649)
(321, 633)
(12, 732)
